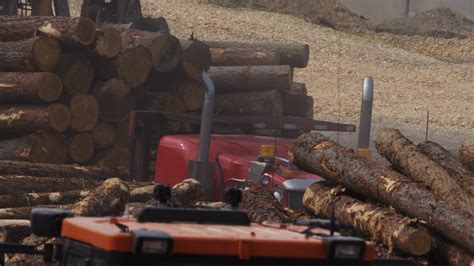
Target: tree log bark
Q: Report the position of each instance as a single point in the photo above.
(34, 54)
(13, 231)
(24, 119)
(24, 212)
(251, 78)
(21, 184)
(81, 147)
(450, 254)
(109, 199)
(196, 57)
(317, 154)
(298, 105)
(192, 93)
(35, 199)
(298, 88)
(24, 87)
(103, 135)
(381, 223)
(232, 56)
(293, 54)
(250, 103)
(261, 206)
(46, 147)
(116, 157)
(187, 192)
(115, 101)
(403, 155)
(84, 112)
(466, 154)
(76, 73)
(60, 170)
(164, 102)
(456, 169)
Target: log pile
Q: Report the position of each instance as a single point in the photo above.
(409, 207)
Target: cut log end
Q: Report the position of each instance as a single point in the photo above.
(134, 65)
(85, 31)
(166, 52)
(103, 135)
(84, 112)
(49, 87)
(192, 94)
(46, 53)
(59, 117)
(109, 42)
(114, 100)
(197, 57)
(419, 242)
(81, 148)
(49, 147)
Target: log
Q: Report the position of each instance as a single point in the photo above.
(24, 119)
(466, 154)
(13, 231)
(261, 206)
(402, 153)
(76, 73)
(103, 135)
(293, 54)
(81, 147)
(35, 54)
(115, 157)
(192, 94)
(114, 100)
(45, 147)
(24, 87)
(381, 223)
(84, 112)
(69, 31)
(108, 42)
(187, 192)
(196, 57)
(233, 56)
(22, 184)
(35, 199)
(297, 105)
(268, 103)
(121, 133)
(109, 199)
(24, 212)
(65, 171)
(455, 168)
(251, 78)
(449, 254)
(164, 48)
(164, 102)
(298, 88)
(314, 153)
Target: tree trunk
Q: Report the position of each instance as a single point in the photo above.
(13, 231)
(69, 31)
(76, 73)
(449, 254)
(84, 112)
(81, 147)
(108, 42)
(232, 56)
(17, 87)
(24, 119)
(298, 88)
(403, 155)
(381, 223)
(35, 54)
(103, 135)
(251, 78)
(21, 184)
(192, 93)
(456, 169)
(466, 154)
(109, 199)
(46, 147)
(35, 199)
(298, 105)
(196, 57)
(313, 152)
(41, 8)
(65, 171)
(164, 48)
(250, 103)
(114, 100)
(293, 54)
(261, 206)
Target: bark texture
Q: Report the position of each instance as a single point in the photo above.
(23, 184)
(298, 105)
(466, 154)
(232, 56)
(267, 103)
(313, 152)
(13, 231)
(187, 192)
(23, 87)
(35, 199)
(24, 119)
(24, 212)
(261, 206)
(450, 254)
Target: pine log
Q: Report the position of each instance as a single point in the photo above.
(261, 206)
(35, 199)
(192, 94)
(233, 56)
(466, 154)
(76, 73)
(81, 147)
(196, 57)
(21, 184)
(251, 78)
(402, 153)
(13, 231)
(381, 223)
(250, 103)
(114, 100)
(456, 169)
(164, 48)
(103, 135)
(34, 54)
(165, 102)
(297, 105)
(293, 54)
(314, 153)
(24, 87)
(115, 157)
(65, 171)
(24, 119)
(109, 199)
(24, 212)
(108, 42)
(69, 31)
(187, 192)
(449, 254)
(29, 259)
(84, 112)
(41, 7)
(298, 88)
(45, 147)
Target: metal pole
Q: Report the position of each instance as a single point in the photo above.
(206, 119)
(366, 113)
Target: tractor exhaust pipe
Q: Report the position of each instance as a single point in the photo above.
(202, 168)
(366, 117)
